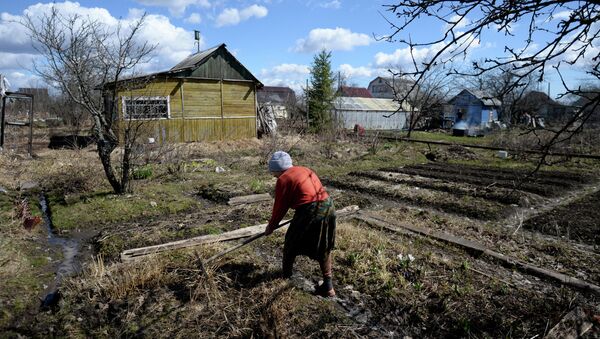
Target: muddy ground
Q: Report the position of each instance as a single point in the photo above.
(389, 284)
(583, 226)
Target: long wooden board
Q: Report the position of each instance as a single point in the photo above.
(134, 253)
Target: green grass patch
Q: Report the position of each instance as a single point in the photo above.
(143, 172)
(257, 186)
(108, 208)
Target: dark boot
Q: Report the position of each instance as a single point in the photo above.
(326, 288)
(288, 266)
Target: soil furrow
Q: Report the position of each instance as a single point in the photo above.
(503, 196)
(467, 206)
(554, 176)
(543, 190)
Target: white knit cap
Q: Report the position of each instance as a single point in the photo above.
(280, 161)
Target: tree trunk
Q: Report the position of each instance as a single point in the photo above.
(410, 124)
(106, 144)
(105, 148)
(126, 161)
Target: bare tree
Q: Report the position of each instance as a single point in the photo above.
(425, 100)
(570, 32)
(80, 55)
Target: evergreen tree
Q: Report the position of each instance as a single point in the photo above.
(321, 93)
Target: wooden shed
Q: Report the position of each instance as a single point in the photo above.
(476, 108)
(208, 96)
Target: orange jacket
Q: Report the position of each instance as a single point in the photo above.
(295, 187)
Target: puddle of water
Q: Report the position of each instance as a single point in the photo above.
(70, 248)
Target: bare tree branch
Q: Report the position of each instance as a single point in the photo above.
(81, 54)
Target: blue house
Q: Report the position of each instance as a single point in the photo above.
(473, 108)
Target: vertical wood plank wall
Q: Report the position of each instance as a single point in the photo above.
(201, 110)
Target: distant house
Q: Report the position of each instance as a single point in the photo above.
(354, 92)
(370, 113)
(384, 87)
(539, 104)
(209, 95)
(585, 105)
(276, 100)
(474, 108)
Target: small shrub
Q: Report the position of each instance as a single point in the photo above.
(257, 186)
(143, 172)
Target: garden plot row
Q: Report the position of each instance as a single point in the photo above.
(466, 205)
(537, 184)
(515, 174)
(472, 191)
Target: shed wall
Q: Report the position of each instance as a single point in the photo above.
(210, 110)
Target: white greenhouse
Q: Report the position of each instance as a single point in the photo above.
(370, 113)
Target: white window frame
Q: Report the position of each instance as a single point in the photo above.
(167, 98)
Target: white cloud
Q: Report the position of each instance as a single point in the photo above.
(334, 4)
(290, 75)
(176, 7)
(461, 22)
(174, 43)
(338, 39)
(357, 72)
(586, 61)
(135, 13)
(403, 57)
(19, 80)
(233, 16)
(13, 38)
(291, 69)
(16, 60)
(563, 15)
(16, 53)
(68, 8)
(194, 18)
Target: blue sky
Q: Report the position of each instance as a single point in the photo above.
(275, 39)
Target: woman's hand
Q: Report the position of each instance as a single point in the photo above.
(269, 229)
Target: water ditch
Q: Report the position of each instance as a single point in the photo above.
(70, 249)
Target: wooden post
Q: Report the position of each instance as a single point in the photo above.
(222, 112)
(30, 145)
(2, 122)
(182, 110)
(256, 110)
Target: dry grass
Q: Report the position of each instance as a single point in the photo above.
(371, 256)
(168, 295)
(118, 281)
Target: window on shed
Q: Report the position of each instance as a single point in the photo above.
(140, 108)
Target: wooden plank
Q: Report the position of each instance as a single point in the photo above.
(135, 253)
(130, 254)
(17, 123)
(249, 199)
(573, 325)
(478, 249)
